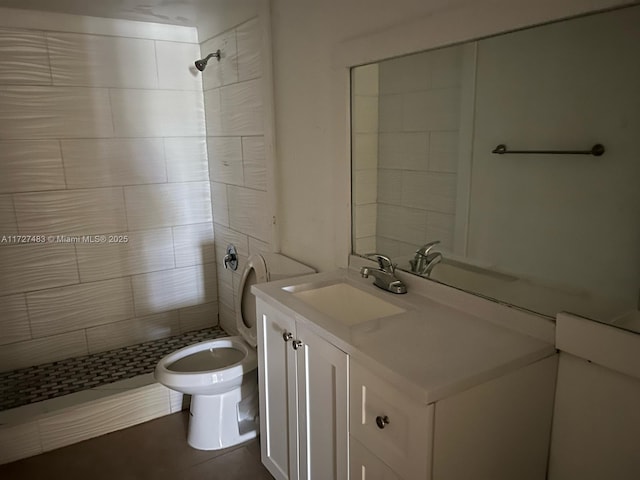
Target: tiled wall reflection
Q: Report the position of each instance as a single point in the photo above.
(419, 122)
(103, 134)
(236, 146)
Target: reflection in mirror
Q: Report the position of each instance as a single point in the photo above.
(544, 232)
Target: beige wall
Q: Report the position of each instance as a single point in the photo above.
(312, 42)
(101, 133)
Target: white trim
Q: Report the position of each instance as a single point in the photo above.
(270, 152)
(62, 22)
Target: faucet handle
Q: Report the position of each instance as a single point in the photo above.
(384, 262)
(426, 248)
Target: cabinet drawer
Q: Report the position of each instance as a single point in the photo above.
(405, 442)
(364, 465)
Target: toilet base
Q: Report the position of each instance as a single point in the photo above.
(226, 419)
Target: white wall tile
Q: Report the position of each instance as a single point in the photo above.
(402, 223)
(365, 114)
(103, 416)
(8, 224)
(65, 309)
(366, 186)
(441, 226)
(447, 67)
(365, 151)
(158, 113)
(225, 160)
(132, 331)
(23, 57)
(213, 112)
(145, 251)
(77, 212)
(411, 73)
(390, 186)
(247, 212)
(19, 441)
(225, 71)
(241, 108)
(408, 151)
(429, 191)
(227, 316)
(170, 289)
(249, 38)
(443, 151)
(198, 317)
(220, 203)
(226, 292)
(366, 219)
(30, 166)
(113, 161)
(176, 69)
(34, 267)
(14, 321)
(54, 112)
(224, 236)
(254, 162)
(193, 244)
(102, 61)
(163, 205)
(391, 113)
(186, 159)
(366, 80)
(432, 110)
(258, 246)
(42, 350)
(365, 245)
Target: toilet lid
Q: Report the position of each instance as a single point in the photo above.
(255, 271)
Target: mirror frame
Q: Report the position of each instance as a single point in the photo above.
(451, 27)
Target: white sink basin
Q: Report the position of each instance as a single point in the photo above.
(347, 304)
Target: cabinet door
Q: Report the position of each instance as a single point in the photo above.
(278, 395)
(364, 465)
(322, 408)
(392, 426)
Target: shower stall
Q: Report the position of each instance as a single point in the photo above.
(119, 157)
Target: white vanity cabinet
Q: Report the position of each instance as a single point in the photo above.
(303, 400)
(498, 430)
(387, 428)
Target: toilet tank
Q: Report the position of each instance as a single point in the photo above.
(280, 267)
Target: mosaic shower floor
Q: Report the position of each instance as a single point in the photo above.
(50, 380)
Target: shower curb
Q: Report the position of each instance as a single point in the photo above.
(37, 428)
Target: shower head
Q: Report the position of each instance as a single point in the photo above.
(202, 63)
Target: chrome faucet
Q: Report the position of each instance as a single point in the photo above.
(385, 277)
(425, 260)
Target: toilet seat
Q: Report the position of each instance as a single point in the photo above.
(224, 376)
(255, 271)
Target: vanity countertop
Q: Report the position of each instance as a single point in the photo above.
(430, 351)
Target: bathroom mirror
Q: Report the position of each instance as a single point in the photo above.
(552, 231)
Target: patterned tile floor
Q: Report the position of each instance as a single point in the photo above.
(50, 380)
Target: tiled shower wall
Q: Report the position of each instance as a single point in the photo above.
(99, 135)
(233, 92)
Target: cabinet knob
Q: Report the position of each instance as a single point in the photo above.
(286, 336)
(382, 421)
(296, 344)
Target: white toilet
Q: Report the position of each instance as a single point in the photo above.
(222, 374)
